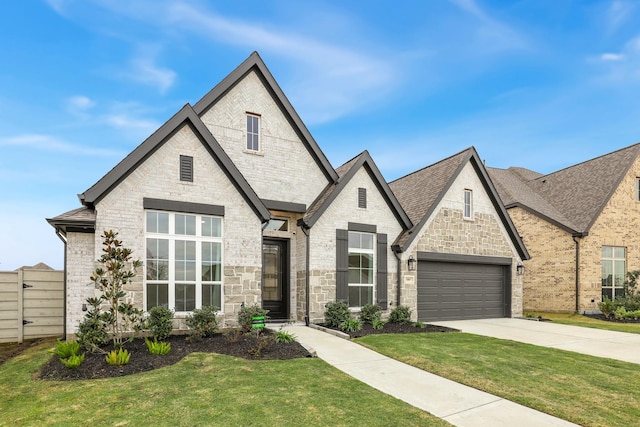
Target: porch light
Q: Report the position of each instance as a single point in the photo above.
(520, 269)
(411, 262)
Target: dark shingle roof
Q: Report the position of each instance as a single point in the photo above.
(572, 197)
(81, 219)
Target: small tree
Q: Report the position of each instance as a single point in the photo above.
(118, 269)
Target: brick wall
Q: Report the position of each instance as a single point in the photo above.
(283, 169)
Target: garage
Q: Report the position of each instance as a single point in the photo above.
(456, 287)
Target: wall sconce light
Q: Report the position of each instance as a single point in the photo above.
(520, 269)
(411, 263)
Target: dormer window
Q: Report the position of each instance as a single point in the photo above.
(253, 132)
(468, 204)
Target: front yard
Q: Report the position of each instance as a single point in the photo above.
(586, 390)
(202, 389)
(588, 322)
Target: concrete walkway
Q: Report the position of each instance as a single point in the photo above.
(456, 403)
(595, 342)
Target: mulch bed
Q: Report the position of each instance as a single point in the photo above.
(611, 318)
(95, 366)
(398, 328)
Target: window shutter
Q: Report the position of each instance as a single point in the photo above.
(362, 198)
(342, 266)
(381, 275)
(186, 168)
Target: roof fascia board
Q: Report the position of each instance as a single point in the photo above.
(544, 217)
(254, 61)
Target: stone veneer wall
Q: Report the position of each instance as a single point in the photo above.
(549, 280)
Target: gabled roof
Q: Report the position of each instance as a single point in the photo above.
(571, 198)
(421, 191)
(346, 172)
(81, 220)
(255, 63)
(186, 116)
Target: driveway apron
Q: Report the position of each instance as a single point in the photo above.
(594, 342)
(458, 404)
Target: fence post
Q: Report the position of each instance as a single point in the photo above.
(20, 305)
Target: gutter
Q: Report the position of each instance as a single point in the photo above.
(64, 285)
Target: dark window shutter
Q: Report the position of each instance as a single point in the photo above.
(381, 275)
(186, 168)
(342, 266)
(362, 197)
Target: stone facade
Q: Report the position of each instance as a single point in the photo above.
(447, 231)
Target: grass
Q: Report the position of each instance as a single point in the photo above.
(580, 320)
(202, 389)
(586, 390)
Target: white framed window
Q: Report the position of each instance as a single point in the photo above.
(361, 268)
(468, 204)
(183, 268)
(614, 270)
(253, 132)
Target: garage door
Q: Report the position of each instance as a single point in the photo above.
(458, 290)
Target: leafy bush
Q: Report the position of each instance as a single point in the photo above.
(285, 337)
(160, 322)
(73, 361)
(351, 325)
(92, 331)
(118, 357)
(233, 334)
(400, 314)
(66, 349)
(247, 313)
(620, 313)
(418, 324)
(203, 321)
(336, 313)
(378, 324)
(158, 347)
(370, 312)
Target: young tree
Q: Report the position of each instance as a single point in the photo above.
(118, 269)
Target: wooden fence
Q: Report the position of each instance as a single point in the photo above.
(31, 304)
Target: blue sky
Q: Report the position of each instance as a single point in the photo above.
(541, 84)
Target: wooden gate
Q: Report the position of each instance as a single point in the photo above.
(31, 304)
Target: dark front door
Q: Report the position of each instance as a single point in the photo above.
(275, 278)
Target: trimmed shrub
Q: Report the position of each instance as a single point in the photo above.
(370, 312)
(160, 322)
(607, 307)
(247, 313)
(336, 313)
(400, 314)
(351, 325)
(203, 322)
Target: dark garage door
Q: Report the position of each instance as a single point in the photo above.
(455, 291)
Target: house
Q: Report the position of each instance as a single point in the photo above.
(580, 225)
(232, 202)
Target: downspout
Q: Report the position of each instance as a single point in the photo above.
(399, 269)
(307, 231)
(64, 286)
(577, 271)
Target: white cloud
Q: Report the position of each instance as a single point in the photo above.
(80, 102)
(611, 57)
(51, 143)
(618, 14)
(144, 70)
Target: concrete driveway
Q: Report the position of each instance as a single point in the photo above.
(595, 342)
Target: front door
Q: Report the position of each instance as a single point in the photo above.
(275, 278)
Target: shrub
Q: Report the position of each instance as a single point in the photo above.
(285, 337)
(73, 361)
(203, 321)
(620, 313)
(370, 312)
(351, 325)
(92, 331)
(262, 344)
(233, 334)
(160, 322)
(336, 313)
(418, 324)
(66, 349)
(607, 307)
(400, 314)
(378, 324)
(118, 357)
(247, 313)
(158, 347)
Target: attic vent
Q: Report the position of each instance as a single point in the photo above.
(186, 168)
(362, 197)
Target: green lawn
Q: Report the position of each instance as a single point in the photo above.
(583, 389)
(202, 389)
(580, 320)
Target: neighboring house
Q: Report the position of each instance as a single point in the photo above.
(232, 202)
(580, 225)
